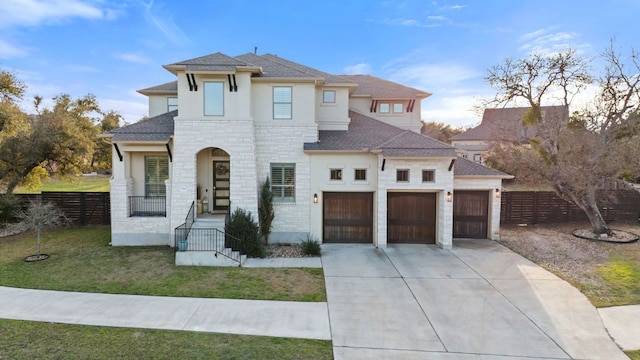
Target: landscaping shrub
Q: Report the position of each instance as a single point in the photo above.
(9, 208)
(311, 246)
(242, 226)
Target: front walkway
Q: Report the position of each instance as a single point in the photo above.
(305, 320)
(477, 301)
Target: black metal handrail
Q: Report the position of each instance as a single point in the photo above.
(147, 206)
(212, 239)
(181, 233)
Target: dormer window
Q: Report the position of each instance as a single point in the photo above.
(172, 103)
(398, 108)
(384, 108)
(329, 96)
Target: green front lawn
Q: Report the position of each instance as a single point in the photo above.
(39, 340)
(633, 355)
(77, 183)
(82, 260)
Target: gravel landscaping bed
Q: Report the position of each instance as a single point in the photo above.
(574, 259)
(285, 250)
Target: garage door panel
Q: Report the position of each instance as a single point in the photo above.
(411, 218)
(470, 214)
(347, 218)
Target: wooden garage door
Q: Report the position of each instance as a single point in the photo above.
(470, 214)
(347, 217)
(411, 218)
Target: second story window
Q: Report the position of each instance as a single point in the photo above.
(282, 96)
(214, 98)
(172, 103)
(329, 96)
(402, 175)
(384, 108)
(398, 107)
(360, 174)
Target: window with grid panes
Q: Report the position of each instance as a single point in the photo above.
(283, 182)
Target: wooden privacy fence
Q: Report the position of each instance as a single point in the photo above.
(82, 208)
(539, 207)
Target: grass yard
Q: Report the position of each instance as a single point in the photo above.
(39, 340)
(82, 260)
(78, 183)
(633, 355)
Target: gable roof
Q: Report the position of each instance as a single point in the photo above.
(465, 167)
(376, 88)
(367, 134)
(212, 62)
(505, 124)
(155, 129)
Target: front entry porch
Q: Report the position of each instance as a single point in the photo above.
(204, 243)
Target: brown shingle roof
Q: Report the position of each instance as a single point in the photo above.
(367, 134)
(505, 124)
(158, 128)
(383, 89)
(466, 167)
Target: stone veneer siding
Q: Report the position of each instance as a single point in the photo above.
(285, 144)
(237, 138)
(133, 231)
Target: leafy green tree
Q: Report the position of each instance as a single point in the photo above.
(102, 156)
(575, 156)
(440, 131)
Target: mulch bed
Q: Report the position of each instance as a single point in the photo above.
(618, 237)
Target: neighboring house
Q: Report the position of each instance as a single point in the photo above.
(502, 125)
(344, 155)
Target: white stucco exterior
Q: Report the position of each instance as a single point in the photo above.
(252, 140)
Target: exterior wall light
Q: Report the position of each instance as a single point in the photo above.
(315, 198)
(498, 193)
(449, 196)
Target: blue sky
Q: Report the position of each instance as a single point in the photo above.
(113, 48)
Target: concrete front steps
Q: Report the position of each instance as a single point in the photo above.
(202, 240)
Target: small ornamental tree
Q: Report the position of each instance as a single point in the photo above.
(242, 226)
(39, 217)
(265, 210)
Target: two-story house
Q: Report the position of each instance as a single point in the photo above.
(343, 153)
(501, 125)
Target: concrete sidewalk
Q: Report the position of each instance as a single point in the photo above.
(245, 317)
(623, 324)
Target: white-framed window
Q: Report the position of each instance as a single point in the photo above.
(477, 158)
(282, 100)
(402, 175)
(329, 96)
(213, 98)
(156, 171)
(384, 108)
(335, 174)
(464, 156)
(360, 175)
(398, 107)
(172, 103)
(283, 182)
(428, 176)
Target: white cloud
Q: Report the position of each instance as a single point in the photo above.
(410, 22)
(432, 76)
(133, 58)
(456, 111)
(36, 12)
(164, 23)
(8, 50)
(358, 69)
(550, 41)
(130, 109)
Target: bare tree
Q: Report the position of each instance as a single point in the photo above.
(39, 217)
(578, 153)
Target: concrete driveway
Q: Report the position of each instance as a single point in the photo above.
(477, 301)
